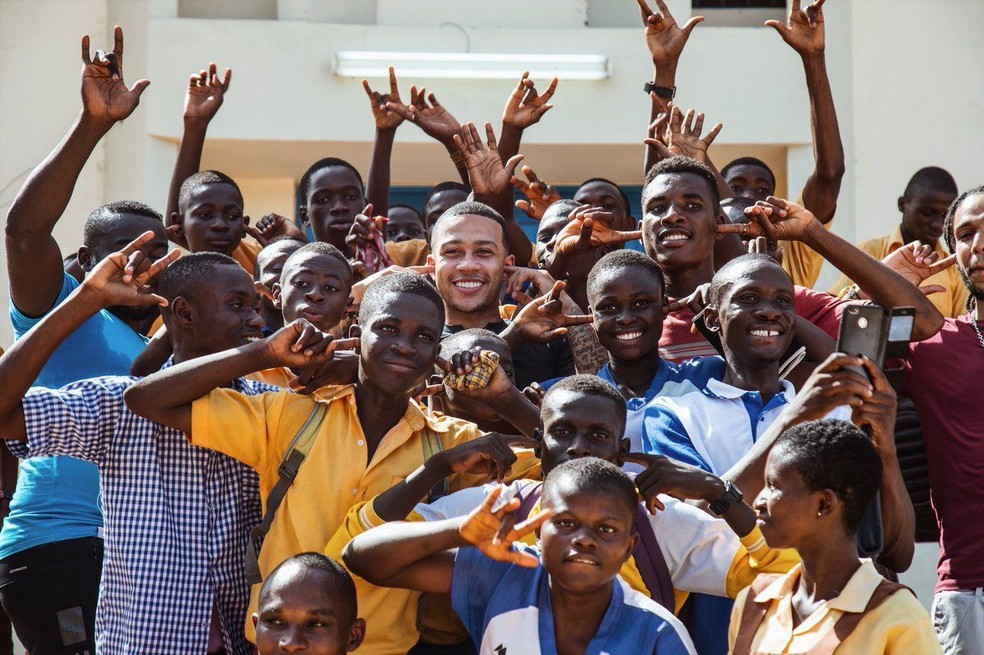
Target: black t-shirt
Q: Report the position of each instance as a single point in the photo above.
(534, 362)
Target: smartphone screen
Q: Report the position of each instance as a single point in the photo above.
(900, 328)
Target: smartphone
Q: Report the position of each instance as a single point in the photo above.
(862, 333)
(870, 331)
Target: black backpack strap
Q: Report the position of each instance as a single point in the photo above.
(650, 561)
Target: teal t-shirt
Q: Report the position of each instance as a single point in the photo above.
(57, 498)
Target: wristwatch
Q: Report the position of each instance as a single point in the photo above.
(732, 495)
(665, 92)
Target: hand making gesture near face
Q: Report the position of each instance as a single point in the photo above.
(386, 118)
(589, 228)
(677, 134)
(105, 96)
(205, 94)
(539, 194)
(121, 278)
(493, 533)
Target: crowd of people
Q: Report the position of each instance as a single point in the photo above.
(398, 429)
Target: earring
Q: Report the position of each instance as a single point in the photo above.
(713, 328)
(819, 514)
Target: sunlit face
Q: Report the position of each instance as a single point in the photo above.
(333, 201)
(399, 343)
(587, 538)
(607, 197)
(315, 287)
(627, 305)
(469, 257)
(680, 222)
(577, 424)
(785, 508)
(968, 232)
(301, 611)
(224, 311)
(213, 218)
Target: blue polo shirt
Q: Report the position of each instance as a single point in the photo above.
(506, 609)
(57, 498)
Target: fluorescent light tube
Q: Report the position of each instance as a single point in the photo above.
(476, 66)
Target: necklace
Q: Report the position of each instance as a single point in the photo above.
(977, 329)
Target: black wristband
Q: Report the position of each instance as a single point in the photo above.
(732, 495)
(664, 92)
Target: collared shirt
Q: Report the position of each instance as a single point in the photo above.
(177, 518)
(506, 609)
(670, 380)
(898, 626)
(951, 303)
(714, 426)
(336, 474)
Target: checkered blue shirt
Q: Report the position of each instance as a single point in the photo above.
(176, 517)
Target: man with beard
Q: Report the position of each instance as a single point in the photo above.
(944, 381)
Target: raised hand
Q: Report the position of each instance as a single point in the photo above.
(542, 282)
(359, 288)
(493, 533)
(105, 96)
(695, 302)
(916, 262)
(299, 344)
(539, 194)
(668, 476)
(664, 37)
(804, 29)
(486, 172)
(205, 93)
(760, 246)
(589, 228)
(366, 243)
(682, 134)
(545, 317)
(121, 278)
(525, 106)
(386, 118)
(436, 121)
(341, 368)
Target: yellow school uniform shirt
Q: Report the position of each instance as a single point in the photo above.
(951, 303)
(336, 474)
(412, 252)
(399, 611)
(899, 626)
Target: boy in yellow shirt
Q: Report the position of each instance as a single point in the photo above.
(371, 436)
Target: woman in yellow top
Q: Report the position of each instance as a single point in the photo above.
(819, 478)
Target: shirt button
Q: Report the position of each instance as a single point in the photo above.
(355, 492)
(361, 442)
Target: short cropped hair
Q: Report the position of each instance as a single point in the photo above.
(440, 188)
(621, 192)
(593, 476)
(317, 248)
(681, 164)
(455, 342)
(749, 161)
(472, 208)
(258, 268)
(190, 273)
(722, 278)
(620, 260)
(735, 208)
(931, 179)
(197, 180)
(591, 385)
(304, 187)
(374, 298)
(835, 455)
(414, 210)
(343, 584)
(103, 216)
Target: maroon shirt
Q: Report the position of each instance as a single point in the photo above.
(945, 379)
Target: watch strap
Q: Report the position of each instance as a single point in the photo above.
(665, 92)
(732, 495)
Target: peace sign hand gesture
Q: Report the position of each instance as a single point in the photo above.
(493, 532)
(121, 278)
